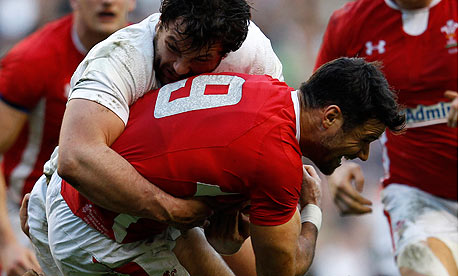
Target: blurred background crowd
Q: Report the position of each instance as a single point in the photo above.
(347, 246)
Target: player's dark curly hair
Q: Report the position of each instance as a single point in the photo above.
(359, 88)
(206, 22)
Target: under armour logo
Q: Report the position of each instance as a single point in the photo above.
(380, 47)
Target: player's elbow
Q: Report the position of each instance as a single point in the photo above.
(69, 163)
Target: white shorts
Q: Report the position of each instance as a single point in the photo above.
(38, 227)
(415, 215)
(79, 249)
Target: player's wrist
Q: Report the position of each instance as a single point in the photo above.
(311, 213)
(7, 237)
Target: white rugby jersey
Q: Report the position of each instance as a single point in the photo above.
(119, 70)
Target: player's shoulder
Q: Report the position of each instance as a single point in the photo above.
(43, 42)
(132, 32)
(255, 34)
(131, 42)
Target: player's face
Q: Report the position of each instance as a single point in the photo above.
(102, 17)
(412, 4)
(173, 61)
(352, 144)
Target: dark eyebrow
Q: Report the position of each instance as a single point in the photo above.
(171, 43)
(205, 56)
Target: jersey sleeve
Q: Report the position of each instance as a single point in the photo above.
(334, 45)
(117, 71)
(21, 84)
(255, 57)
(276, 188)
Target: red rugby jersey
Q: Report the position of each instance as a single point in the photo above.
(35, 77)
(419, 55)
(213, 134)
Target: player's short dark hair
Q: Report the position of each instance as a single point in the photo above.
(206, 22)
(359, 88)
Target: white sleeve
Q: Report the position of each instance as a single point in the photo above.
(255, 57)
(119, 70)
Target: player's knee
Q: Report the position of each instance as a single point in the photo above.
(419, 258)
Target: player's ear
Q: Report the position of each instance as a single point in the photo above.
(332, 116)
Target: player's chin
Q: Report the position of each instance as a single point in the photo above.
(107, 28)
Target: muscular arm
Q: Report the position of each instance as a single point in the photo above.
(287, 249)
(88, 163)
(197, 255)
(14, 258)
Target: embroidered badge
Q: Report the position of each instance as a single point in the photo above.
(450, 33)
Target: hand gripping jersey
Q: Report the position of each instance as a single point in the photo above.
(214, 134)
(418, 50)
(35, 77)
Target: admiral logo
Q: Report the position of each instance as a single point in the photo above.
(451, 35)
(424, 115)
(379, 47)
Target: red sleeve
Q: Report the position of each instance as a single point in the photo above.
(21, 81)
(334, 43)
(276, 192)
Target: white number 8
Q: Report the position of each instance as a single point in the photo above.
(197, 99)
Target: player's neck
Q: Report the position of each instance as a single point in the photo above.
(88, 39)
(412, 4)
(308, 125)
(85, 36)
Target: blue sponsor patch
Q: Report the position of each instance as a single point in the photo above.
(424, 115)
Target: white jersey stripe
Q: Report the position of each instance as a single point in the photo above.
(295, 100)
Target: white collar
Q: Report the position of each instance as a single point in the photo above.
(393, 5)
(77, 42)
(295, 101)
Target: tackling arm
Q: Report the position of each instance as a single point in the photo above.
(88, 163)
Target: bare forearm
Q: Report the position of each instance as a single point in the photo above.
(306, 248)
(198, 257)
(108, 180)
(6, 233)
(88, 163)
